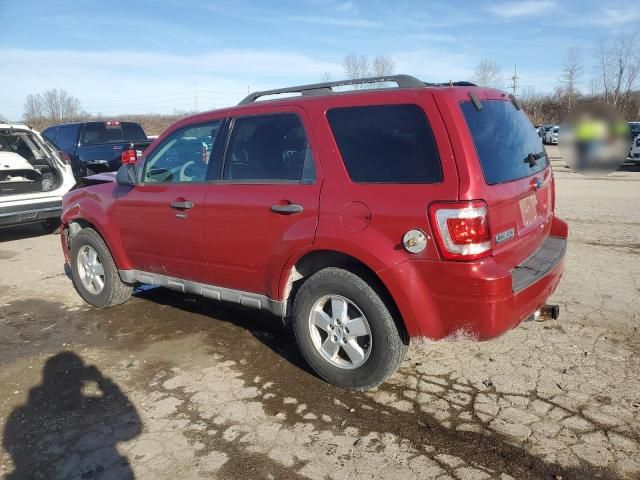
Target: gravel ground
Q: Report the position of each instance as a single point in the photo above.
(170, 386)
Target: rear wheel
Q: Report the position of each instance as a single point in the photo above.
(95, 275)
(345, 331)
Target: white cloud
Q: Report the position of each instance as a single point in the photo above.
(335, 21)
(513, 9)
(115, 82)
(347, 7)
(617, 16)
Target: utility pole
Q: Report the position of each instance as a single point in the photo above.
(514, 84)
(195, 97)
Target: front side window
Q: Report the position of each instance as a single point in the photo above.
(183, 157)
(386, 144)
(268, 149)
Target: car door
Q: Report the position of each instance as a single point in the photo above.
(264, 207)
(161, 217)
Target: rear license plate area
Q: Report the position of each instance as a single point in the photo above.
(529, 209)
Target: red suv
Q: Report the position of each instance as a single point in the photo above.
(365, 217)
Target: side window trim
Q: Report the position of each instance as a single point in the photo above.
(232, 126)
(158, 149)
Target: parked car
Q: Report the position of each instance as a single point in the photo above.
(551, 135)
(95, 147)
(634, 131)
(542, 132)
(33, 178)
(364, 217)
(635, 149)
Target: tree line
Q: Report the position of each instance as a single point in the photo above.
(612, 79)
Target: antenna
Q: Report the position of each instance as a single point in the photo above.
(514, 85)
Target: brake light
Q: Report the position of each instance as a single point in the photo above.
(66, 159)
(461, 229)
(128, 156)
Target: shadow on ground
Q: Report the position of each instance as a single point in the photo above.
(64, 431)
(19, 232)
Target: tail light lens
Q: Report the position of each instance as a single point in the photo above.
(65, 157)
(128, 156)
(461, 229)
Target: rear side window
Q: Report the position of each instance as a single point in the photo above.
(66, 138)
(112, 132)
(268, 149)
(505, 141)
(386, 144)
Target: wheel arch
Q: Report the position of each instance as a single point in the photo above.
(301, 268)
(72, 225)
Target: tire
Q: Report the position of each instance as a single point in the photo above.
(382, 347)
(51, 225)
(114, 291)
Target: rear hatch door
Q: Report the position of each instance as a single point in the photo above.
(517, 181)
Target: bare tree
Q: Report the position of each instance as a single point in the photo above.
(571, 74)
(356, 67)
(58, 105)
(618, 67)
(325, 77)
(532, 102)
(488, 74)
(382, 66)
(33, 111)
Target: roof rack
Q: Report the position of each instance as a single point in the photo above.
(325, 88)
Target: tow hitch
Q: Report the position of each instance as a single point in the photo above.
(546, 312)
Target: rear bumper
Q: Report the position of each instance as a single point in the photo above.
(481, 300)
(29, 213)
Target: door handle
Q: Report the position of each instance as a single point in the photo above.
(287, 209)
(182, 204)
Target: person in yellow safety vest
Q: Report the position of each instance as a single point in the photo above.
(588, 134)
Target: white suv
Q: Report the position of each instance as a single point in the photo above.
(33, 178)
(635, 149)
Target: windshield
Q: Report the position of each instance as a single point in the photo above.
(508, 146)
(112, 132)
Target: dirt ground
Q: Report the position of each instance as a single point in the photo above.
(169, 387)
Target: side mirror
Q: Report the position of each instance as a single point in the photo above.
(127, 175)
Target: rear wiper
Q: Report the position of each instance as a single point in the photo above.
(532, 158)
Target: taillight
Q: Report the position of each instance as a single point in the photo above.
(461, 229)
(66, 159)
(128, 156)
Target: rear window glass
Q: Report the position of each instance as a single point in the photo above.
(112, 133)
(504, 139)
(386, 144)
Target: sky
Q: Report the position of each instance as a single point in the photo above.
(163, 56)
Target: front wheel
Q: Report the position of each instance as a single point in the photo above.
(95, 275)
(345, 331)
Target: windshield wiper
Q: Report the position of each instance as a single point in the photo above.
(532, 158)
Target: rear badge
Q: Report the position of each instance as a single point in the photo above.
(506, 235)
